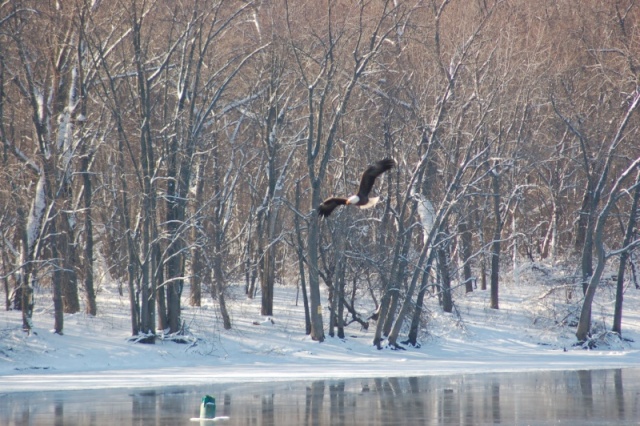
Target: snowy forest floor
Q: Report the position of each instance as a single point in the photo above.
(532, 330)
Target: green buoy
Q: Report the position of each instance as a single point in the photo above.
(208, 407)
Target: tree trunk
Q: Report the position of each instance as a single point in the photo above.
(174, 291)
(148, 290)
(5, 279)
(301, 261)
(248, 258)
(218, 237)
(86, 158)
(336, 299)
(624, 256)
(315, 305)
(56, 278)
(465, 253)
(26, 301)
(268, 215)
(68, 262)
(389, 301)
(197, 261)
(340, 309)
(383, 310)
(148, 287)
(149, 193)
(267, 281)
(582, 224)
(25, 291)
(133, 281)
(333, 307)
(91, 307)
(495, 244)
(161, 309)
(195, 281)
(445, 275)
(584, 324)
(178, 182)
(587, 259)
(336, 295)
(549, 245)
(426, 255)
(219, 283)
(412, 338)
(392, 309)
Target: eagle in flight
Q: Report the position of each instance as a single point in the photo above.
(361, 199)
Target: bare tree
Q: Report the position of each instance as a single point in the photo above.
(614, 194)
(200, 79)
(330, 85)
(461, 164)
(133, 76)
(271, 122)
(48, 76)
(627, 244)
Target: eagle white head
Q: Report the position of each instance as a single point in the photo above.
(353, 199)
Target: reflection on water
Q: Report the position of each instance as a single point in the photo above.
(536, 398)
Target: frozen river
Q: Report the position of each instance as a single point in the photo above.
(585, 397)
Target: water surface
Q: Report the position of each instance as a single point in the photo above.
(598, 397)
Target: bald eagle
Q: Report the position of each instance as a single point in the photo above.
(361, 199)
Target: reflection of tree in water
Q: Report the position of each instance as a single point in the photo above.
(268, 409)
(447, 406)
(617, 383)
(586, 389)
(337, 399)
(314, 399)
(495, 402)
(571, 397)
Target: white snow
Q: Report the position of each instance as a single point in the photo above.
(526, 334)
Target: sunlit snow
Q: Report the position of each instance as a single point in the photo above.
(529, 332)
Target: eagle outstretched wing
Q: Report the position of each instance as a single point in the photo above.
(369, 176)
(361, 199)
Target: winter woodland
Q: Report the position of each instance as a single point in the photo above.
(177, 149)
